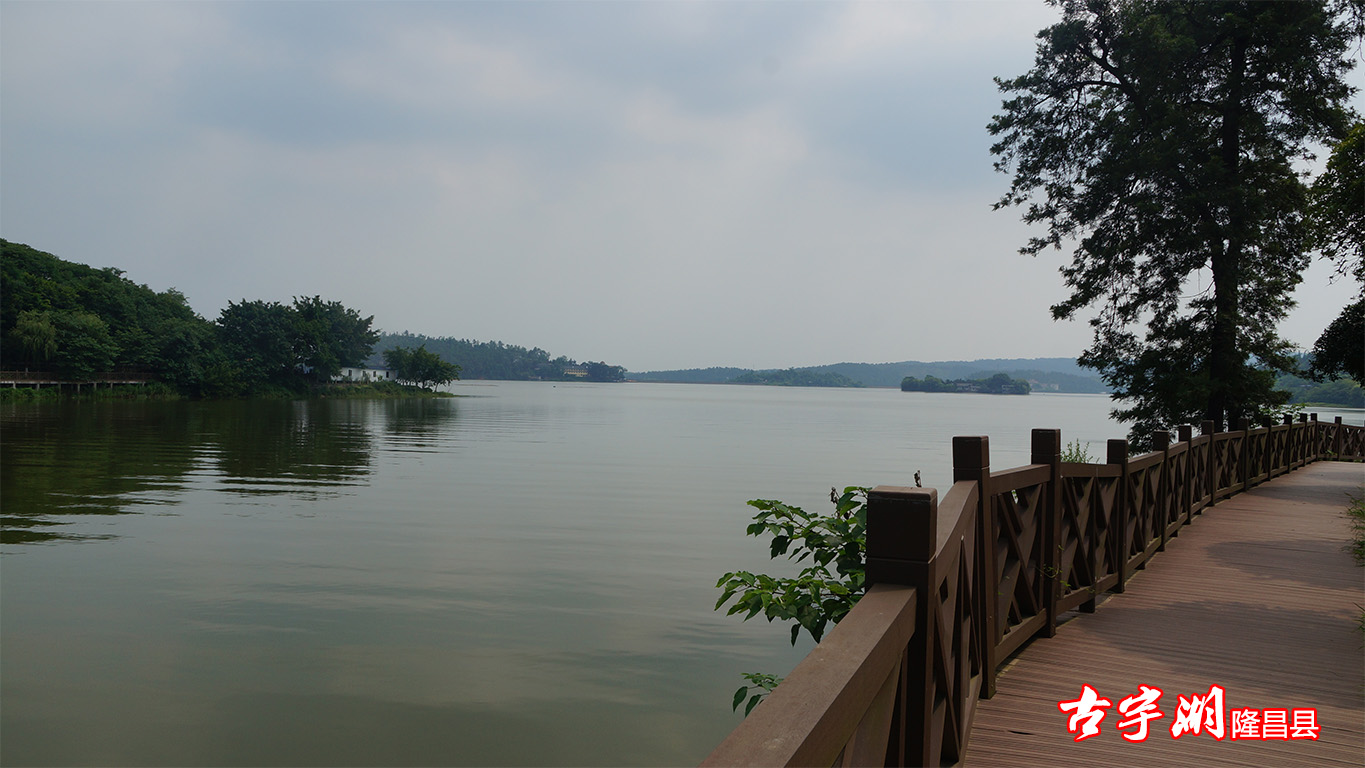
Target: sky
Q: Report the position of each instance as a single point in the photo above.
(651, 184)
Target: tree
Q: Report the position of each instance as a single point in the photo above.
(328, 336)
(36, 334)
(420, 367)
(257, 338)
(1340, 349)
(83, 344)
(1160, 138)
(1338, 209)
(599, 371)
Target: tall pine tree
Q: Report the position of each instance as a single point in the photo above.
(1160, 141)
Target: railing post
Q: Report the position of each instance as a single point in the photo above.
(972, 463)
(1315, 438)
(1288, 442)
(1118, 454)
(1211, 468)
(1186, 435)
(902, 538)
(1161, 441)
(1338, 437)
(1268, 459)
(1047, 449)
(1244, 426)
(1301, 452)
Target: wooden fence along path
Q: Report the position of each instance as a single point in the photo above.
(1258, 599)
(41, 379)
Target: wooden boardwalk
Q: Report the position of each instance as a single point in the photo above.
(1258, 595)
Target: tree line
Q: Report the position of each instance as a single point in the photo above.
(999, 384)
(795, 377)
(76, 321)
(496, 360)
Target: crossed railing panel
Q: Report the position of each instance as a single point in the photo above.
(1257, 455)
(1143, 506)
(1351, 443)
(1018, 509)
(1088, 561)
(1176, 491)
(1201, 473)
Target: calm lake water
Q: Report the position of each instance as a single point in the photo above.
(522, 576)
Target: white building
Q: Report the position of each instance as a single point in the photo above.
(364, 374)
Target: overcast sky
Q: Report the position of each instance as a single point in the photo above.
(655, 184)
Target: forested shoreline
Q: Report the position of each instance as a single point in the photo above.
(999, 384)
(76, 321)
(79, 323)
(496, 360)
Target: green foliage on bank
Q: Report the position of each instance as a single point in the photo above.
(1338, 392)
(999, 384)
(77, 322)
(796, 377)
(1048, 374)
(498, 361)
(1304, 389)
(378, 390)
(152, 390)
(420, 367)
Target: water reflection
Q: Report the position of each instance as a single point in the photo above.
(301, 448)
(65, 460)
(87, 458)
(420, 423)
(524, 577)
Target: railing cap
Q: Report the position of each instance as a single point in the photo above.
(902, 523)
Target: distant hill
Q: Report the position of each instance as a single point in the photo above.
(1341, 391)
(692, 375)
(496, 360)
(796, 377)
(1044, 374)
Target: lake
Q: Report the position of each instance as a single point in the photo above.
(520, 576)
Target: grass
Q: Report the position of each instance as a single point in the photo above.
(1355, 511)
(50, 394)
(378, 390)
(1076, 453)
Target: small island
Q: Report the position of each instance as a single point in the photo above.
(999, 384)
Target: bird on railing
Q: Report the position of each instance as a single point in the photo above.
(917, 482)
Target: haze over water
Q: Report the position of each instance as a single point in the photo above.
(524, 576)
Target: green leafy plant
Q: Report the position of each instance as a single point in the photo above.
(822, 593)
(1076, 453)
(1356, 512)
(763, 684)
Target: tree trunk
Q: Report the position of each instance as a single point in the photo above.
(1225, 363)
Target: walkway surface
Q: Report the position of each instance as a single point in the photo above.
(1258, 596)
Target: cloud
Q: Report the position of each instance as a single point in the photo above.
(655, 185)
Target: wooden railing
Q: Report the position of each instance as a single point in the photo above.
(959, 586)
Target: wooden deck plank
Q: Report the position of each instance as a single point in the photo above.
(1257, 595)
